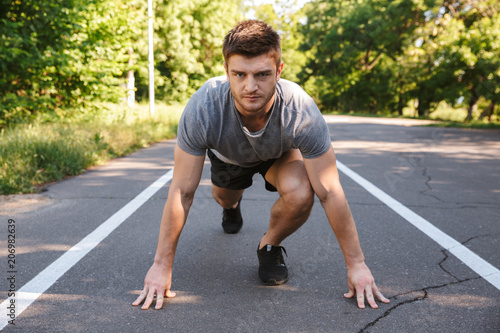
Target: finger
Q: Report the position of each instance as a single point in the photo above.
(159, 302)
(141, 298)
(350, 294)
(360, 296)
(370, 299)
(149, 300)
(379, 295)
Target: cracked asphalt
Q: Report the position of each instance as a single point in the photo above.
(450, 177)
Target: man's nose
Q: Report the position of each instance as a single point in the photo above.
(251, 84)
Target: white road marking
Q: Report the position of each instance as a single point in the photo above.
(46, 278)
(487, 271)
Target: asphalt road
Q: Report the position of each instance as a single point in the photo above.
(449, 177)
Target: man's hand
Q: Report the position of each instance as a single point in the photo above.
(157, 282)
(361, 281)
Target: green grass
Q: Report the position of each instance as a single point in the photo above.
(455, 117)
(42, 152)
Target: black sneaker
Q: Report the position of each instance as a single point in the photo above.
(272, 268)
(232, 220)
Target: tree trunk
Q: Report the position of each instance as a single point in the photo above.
(130, 81)
(400, 103)
(488, 112)
(423, 108)
(472, 108)
(416, 103)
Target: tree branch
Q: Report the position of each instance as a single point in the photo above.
(367, 66)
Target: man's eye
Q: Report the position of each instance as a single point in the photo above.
(263, 75)
(239, 75)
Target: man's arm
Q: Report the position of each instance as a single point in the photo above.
(324, 178)
(185, 180)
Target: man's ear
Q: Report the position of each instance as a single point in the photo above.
(278, 72)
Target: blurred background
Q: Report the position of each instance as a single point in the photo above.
(74, 73)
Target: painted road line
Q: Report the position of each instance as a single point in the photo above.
(487, 271)
(45, 279)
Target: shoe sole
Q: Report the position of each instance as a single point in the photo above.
(232, 230)
(273, 282)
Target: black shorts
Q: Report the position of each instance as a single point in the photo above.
(234, 177)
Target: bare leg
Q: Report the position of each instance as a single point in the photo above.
(225, 197)
(296, 200)
(232, 221)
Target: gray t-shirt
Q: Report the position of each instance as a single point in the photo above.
(211, 121)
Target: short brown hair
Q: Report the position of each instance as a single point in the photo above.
(250, 39)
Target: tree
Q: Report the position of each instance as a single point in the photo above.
(62, 54)
(285, 17)
(379, 55)
(355, 47)
(460, 53)
(188, 45)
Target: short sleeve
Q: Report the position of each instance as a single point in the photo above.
(312, 136)
(192, 131)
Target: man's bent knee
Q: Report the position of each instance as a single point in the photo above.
(225, 197)
(298, 192)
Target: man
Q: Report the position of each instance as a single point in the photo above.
(252, 122)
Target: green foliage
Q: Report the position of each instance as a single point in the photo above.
(32, 154)
(188, 45)
(355, 47)
(379, 55)
(459, 54)
(61, 53)
(285, 17)
(62, 58)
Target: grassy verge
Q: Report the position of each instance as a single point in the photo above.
(34, 154)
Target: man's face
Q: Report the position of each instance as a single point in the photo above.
(253, 83)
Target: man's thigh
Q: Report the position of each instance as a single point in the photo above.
(288, 171)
